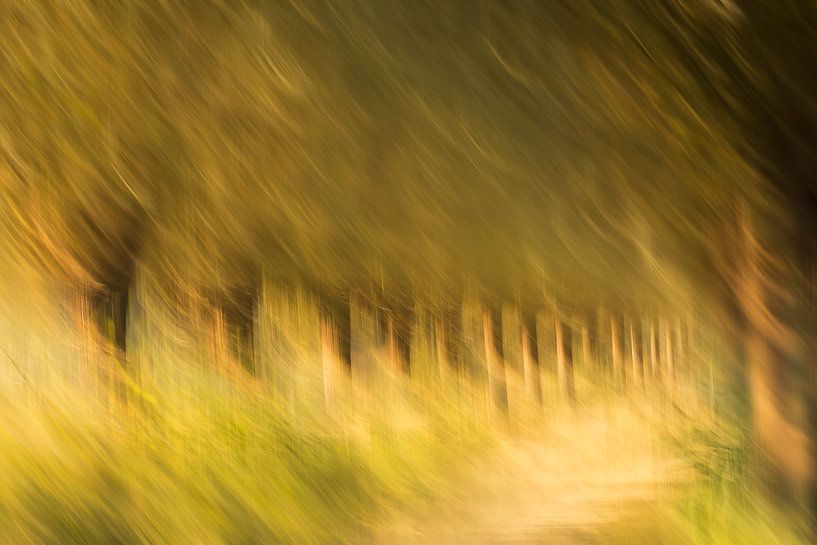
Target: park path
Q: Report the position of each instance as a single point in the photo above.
(583, 481)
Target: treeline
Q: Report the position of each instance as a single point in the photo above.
(513, 351)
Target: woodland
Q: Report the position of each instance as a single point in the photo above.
(318, 271)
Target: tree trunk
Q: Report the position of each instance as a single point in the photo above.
(811, 396)
(110, 308)
(564, 360)
(440, 342)
(615, 347)
(496, 371)
(668, 367)
(587, 353)
(546, 350)
(681, 355)
(336, 312)
(530, 351)
(771, 345)
(635, 356)
(653, 352)
(514, 358)
(330, 359)
(473, 347)
(529, 368)
(392, 354)
(218, 340)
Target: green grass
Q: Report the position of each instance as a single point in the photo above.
(723, 504)
(236, 470)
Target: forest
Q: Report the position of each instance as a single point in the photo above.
(391, 272)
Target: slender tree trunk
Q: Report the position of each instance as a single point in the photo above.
(546, 350)
(653, 352)
(681, 355)
(111, 312)
(561, 363)
(218, 340)
(402, 320)
(564, 360)
(512, 328)
(668, 362)
(330, 359)
(82, 320)
(440, 342)
(366, 349)
(615, 347)
(514, 358)
(449, 346)
(587, 353)
(336, 311)
(531, 353)
(474, 353)
(528, 367)
(644, 348)
(635, 356)
(496, 371)
(392, 354)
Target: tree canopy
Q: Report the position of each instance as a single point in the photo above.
(590, 146)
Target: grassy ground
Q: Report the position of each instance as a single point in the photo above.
(238, 473)
(191, 454)
(242, 471)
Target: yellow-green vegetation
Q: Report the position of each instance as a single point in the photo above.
(209, 457)
(224, 465)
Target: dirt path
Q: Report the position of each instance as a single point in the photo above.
(580, 482)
